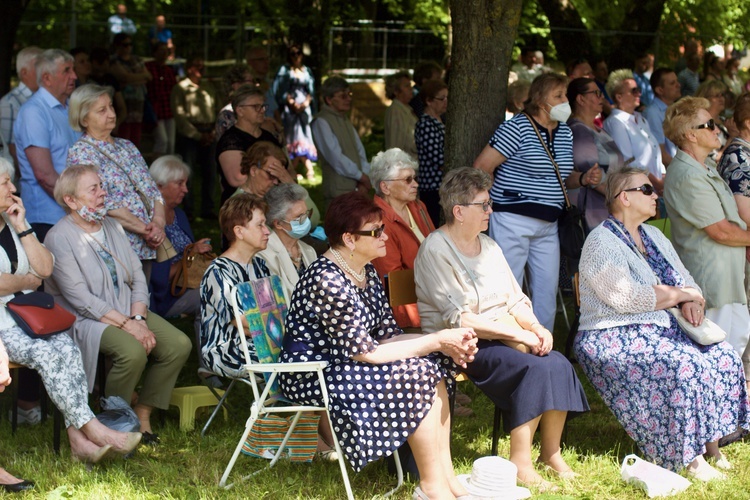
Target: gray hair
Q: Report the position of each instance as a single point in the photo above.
(6, 167)
(386, 165)
(81, 101)
(459, 187)
(169, 168)
(245, 91)
(47, 61)
(26, 56)
(618, 181)
(67, 183)
(391, 82)
(332, 85)
(280, 198)
(615, 81)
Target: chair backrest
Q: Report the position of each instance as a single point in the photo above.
(262, 304)
(401, 288)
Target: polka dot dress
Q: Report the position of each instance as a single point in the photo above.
(374, 408)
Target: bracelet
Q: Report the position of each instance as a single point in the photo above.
(580, 179)
(25, 233)
(123, 323)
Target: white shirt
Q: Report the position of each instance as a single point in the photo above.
(634, 139)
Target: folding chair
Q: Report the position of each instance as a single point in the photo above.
(262, 303)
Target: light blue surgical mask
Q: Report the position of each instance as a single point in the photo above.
(299, 229)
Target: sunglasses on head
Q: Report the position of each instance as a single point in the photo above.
(710, 125)
(375, 233)
(646, 189)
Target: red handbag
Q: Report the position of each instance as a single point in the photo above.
(37, 314)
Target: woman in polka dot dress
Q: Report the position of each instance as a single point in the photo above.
(385, 387)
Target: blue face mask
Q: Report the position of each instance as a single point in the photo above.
(299, 229)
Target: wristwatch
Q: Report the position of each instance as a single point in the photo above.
(138, 317)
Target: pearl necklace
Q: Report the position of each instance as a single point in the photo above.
(360, 277)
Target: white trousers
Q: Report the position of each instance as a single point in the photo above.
(533, 242)
(735, 320)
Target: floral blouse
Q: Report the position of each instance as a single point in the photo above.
(734, 166)
(112, 159)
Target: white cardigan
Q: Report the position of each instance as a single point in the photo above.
(616, 283)
(279, 263)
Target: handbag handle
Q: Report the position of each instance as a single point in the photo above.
(182, 270)
(554, 163)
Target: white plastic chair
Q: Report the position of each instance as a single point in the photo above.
(266, 401)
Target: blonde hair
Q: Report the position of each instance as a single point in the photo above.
(81, 101)
(681, 116)
(67, 183)
(615, 81)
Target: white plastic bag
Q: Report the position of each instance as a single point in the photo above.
(654, 480)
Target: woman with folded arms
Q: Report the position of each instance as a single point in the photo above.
(675, 398)
(24, 263)
(98, 277)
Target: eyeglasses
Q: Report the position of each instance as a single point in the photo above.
(635, 90)
(259, 108)
(302, 218)
(441, 98)
(486, 205)
(598, 92)
(375, 233)
(646, 189)
(407, 180)
(343, 95)
(271, 177)
(710, 125)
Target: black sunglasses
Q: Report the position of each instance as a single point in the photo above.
(646, 189)
(375, 233)
(710, 125)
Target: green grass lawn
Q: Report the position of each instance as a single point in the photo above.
(186, 466)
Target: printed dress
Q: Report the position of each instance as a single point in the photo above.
(299, 84)
(670, 394)
(374, 408)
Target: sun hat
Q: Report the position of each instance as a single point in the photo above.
(493, 478)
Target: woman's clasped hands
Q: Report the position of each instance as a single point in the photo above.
(460, 344)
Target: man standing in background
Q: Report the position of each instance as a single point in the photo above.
(11, 103)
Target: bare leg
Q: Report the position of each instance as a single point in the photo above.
(521, 439)
(144, 415)
(310, 171)
(551, 426)
(423, 442)
(444, 444)
(325, 437)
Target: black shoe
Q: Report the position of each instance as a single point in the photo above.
(15, 488)
(150, 438)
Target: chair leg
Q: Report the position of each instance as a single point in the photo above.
(399, 475)
(562, 306)
(57, 424)
(249, 425)
(219, 405)
(14, 401)
(496, 430)
(342, 463)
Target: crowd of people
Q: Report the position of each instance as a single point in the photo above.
(105, 233)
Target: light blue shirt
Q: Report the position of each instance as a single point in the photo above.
(654, 115)
(118, 25)
(42, 122)
(647, 93)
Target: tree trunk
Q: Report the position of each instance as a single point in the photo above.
(484, 32)
(644, 17)
(11, 11)
(572, 42)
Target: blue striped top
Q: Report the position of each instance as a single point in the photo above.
(526, 183)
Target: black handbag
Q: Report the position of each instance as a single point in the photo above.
(570, 225)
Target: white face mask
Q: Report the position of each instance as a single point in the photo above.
(561, 112)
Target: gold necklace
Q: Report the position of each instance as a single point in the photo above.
(359, 277)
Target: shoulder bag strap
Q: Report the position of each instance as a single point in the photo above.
(554, 163)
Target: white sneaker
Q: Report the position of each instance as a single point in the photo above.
(29, 417)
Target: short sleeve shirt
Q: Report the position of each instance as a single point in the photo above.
(697, 197)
